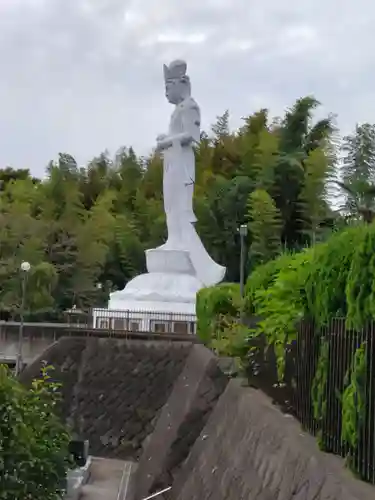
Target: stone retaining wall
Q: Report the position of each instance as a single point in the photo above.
(250, 450)
(180, 423)
(113, 390)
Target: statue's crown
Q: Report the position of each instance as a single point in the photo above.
(175, 71)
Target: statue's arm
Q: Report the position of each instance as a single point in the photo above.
(191, 122)
(191, 129)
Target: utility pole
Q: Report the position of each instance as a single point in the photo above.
(243, 233)
(25, 268)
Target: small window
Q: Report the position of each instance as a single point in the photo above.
(180, 327)
(159, 327)
(133, 326)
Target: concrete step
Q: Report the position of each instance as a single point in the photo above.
(109, 480)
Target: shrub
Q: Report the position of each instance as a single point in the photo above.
(360, 285)
(262, 278)
(34, 456)
(282, 304)
(213, 305)
(326, 283)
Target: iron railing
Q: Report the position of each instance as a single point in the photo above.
(334, 396)
(329, 386)
(144, 321)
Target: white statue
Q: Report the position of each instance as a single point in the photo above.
(179, 174)
(181, 267)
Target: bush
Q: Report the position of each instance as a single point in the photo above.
(360, 284)
(282, 304)
(335, 278)
(34, 456)
(213, 305)
(326, 284)
(261, 279)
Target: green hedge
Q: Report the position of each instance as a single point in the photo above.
(282, 304)
(330, 281)
(261, 279)
(335, 278)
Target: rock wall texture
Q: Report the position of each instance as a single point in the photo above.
(180, 423)
(249, 450)
(113, 390)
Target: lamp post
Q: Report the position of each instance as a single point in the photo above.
(25, 268)
(243, 233)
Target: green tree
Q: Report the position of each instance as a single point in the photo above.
(79, 226)
(221, 128)
(314, 192)
(34, 456)
(265, 227)
(358, 173)
(22, 236)
(298, 138)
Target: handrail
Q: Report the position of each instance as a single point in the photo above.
(158, 493)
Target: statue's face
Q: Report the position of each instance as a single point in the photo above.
(174, 91)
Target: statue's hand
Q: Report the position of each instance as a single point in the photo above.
(160, 137)
(160, 142)
(164, 142)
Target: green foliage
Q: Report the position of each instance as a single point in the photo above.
(80, 226)
(261, 279)
(331, 279)
(230, 338)
(360, 286)
(354, 399)
(358, 173)
(318, 171)
(215, 307)
(265, 227)
(327, 280)
(282, 305)
(319, 384)
(34, 456)
(299, 137)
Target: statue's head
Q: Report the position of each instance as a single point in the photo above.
(177, 82)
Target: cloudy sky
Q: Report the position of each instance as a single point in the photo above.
(82, 76)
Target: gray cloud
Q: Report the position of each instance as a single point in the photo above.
(85, 75)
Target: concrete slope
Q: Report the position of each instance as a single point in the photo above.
(249, 450)
(180, 423)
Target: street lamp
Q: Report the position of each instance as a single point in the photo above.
(25, 268)
(243, 233)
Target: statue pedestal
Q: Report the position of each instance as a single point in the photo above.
(169, 261)
(170, 286)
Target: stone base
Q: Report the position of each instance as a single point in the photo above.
(169, 261)
(171, 285)
(157, 287)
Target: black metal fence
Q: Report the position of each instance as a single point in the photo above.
(329, 385)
